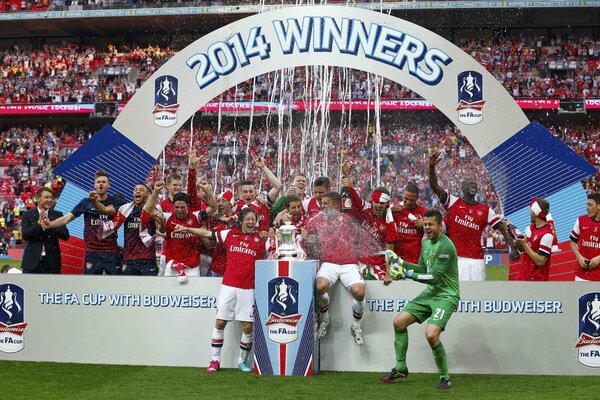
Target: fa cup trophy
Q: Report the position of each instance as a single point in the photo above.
(287, 243)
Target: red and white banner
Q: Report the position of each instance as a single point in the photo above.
(592, 104)
(41, 109)
(263, 106)
(538, 104)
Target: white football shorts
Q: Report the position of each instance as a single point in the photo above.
(235, 304)
(471, 269)
(348, 274)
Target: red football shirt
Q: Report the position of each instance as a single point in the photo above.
(183, 247)
(586, 233)
(219, 256)
(243, 250)
(371, 231)
(311, 206)
(465, 225)
(337, 235)
(404, 235)
(540, 240)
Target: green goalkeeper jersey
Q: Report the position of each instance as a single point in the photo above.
(438, 268)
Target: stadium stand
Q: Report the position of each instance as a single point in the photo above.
(540, 62)
(528, 67)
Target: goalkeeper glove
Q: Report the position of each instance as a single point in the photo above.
(392, 258)
(397, 272)
(395, 262)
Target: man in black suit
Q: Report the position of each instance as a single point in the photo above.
(42, 252)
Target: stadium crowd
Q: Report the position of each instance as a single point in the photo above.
(539, 67)
(28, 154)
(71, 73)
(61, 5)
(74, 73)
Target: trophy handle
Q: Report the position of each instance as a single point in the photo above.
(301, 254)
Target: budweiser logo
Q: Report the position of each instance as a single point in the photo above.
(291, 320)
(17, 329)
(161, 108)
(476, 105)
(586, 340)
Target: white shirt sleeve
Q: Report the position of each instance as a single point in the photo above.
(450, 200)
(222, 235)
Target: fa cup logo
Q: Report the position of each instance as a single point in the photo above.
(592, 313)
(470, 97)
(9, 300)
(588, 344)
(282, 322)
(165, 101)
(12, 326)
(283, 292)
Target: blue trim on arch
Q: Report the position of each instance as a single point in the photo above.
(126, 163)
(533, 163)
(565, 206)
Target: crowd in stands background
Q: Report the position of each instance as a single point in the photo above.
(529, 67)
(28, 155)
(540, 67)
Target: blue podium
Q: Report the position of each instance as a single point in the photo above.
(284, 318)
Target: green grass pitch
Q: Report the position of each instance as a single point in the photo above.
(35, 380)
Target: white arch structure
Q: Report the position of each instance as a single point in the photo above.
(523, 158)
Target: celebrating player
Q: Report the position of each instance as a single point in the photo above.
(293, 214)
(438, 268)
(312, 205)
(102, 255)
(244, 246)
(372, 219)
(175, 185)
(465, 223)
(585, 241)
(182, 250)
(138, 259)
(248, 195)
(404, 230)
(297, 188)
(536, 244)
(336, 233)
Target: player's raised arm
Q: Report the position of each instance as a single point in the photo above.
(276, 184)
(434, 159)
(192, 188)
(210, 197)
(150, 205)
